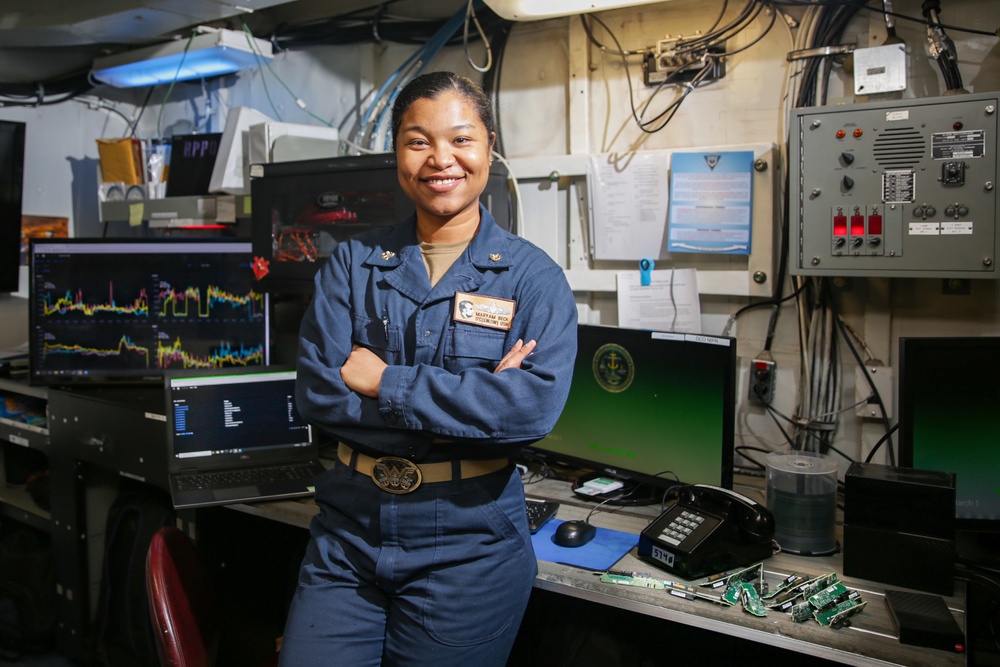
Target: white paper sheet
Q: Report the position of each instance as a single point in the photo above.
(669, 303)
(628, 205)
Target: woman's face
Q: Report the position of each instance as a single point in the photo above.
(443, 156)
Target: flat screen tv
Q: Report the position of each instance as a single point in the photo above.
(949, 421)
(125, 311)
(652, 409)
(11, 193)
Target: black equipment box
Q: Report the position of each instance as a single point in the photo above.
(122, 428)
(924, 620)
(899, 526)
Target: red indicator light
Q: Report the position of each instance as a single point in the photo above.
(958, 125)
(841, 134)
(875, 224)
(858, 132)
(840, 225)
(857, 225)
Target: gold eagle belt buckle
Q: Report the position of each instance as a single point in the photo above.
(395, 475)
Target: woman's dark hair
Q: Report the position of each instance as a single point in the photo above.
(432, 85)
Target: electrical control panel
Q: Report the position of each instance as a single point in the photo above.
(897, 189)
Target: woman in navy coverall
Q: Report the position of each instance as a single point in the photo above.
(431, 377)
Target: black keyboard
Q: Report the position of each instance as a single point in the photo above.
(539, 512)
(248, 477)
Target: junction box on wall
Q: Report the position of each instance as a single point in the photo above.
(895, 189)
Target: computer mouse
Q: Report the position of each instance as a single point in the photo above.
(574, 533)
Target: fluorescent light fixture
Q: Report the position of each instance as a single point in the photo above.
(210, 53)
(536, 10)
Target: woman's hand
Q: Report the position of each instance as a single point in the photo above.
(362, 371)
(517, 354)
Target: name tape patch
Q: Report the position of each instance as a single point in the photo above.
(484, 311)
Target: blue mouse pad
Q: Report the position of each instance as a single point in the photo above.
(606, 549)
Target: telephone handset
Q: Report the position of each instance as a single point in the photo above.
(708, 530)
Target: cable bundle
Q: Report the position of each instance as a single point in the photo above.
(373, 133)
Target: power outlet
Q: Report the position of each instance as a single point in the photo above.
(867, 407)
(761, 381)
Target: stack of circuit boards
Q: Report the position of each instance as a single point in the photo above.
(825, 598)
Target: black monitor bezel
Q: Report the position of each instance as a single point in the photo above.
(11, 205)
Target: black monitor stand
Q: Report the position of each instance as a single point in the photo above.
(978, 547)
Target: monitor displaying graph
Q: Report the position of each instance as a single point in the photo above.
(126, 311)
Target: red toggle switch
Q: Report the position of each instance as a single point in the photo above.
(875, 224)
(857, 225)
(840, 225)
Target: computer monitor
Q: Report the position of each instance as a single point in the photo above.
(949, 418)
(125, 311)
(302, 209)
(651, 409)
(11, 194)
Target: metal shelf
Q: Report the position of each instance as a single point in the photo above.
(178, 211)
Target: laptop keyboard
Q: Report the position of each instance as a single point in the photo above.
(539, 512)
(248, 477)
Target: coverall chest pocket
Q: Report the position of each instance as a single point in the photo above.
(382, 338)
(473, 347)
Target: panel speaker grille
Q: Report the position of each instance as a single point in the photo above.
(899, 147)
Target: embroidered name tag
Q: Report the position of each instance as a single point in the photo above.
(484, 311)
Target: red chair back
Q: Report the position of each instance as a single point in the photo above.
(181, 601)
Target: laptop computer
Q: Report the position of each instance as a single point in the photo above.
(234, 435)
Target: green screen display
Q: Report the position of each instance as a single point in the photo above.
(649, 406)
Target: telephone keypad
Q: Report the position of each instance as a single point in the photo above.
(683, 525)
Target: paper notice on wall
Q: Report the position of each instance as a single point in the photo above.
(711, 202)
(668, 303)
(628, 204)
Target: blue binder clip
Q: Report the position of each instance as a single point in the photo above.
(646, 267)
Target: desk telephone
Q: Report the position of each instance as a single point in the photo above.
(706, 531)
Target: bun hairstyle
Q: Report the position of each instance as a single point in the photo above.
(431, 86)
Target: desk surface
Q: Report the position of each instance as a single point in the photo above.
(869, 640)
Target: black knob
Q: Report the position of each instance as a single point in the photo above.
(857, 241)
(874, 241)
(848, 158)
(949, 210)
(840, 242)
(848, 182)
(930, 211)
(963, 211)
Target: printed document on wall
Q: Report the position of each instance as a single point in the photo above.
(711, 202)
(668, 303)
(628, 204)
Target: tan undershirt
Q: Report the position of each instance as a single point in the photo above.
(438, 257)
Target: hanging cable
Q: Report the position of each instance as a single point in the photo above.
(471, 14)
(413, 67)
(170, 88)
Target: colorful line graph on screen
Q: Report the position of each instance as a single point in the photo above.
(175, 356)
(74, 304)
(178, 302)
(125, 348)
(170, 355)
